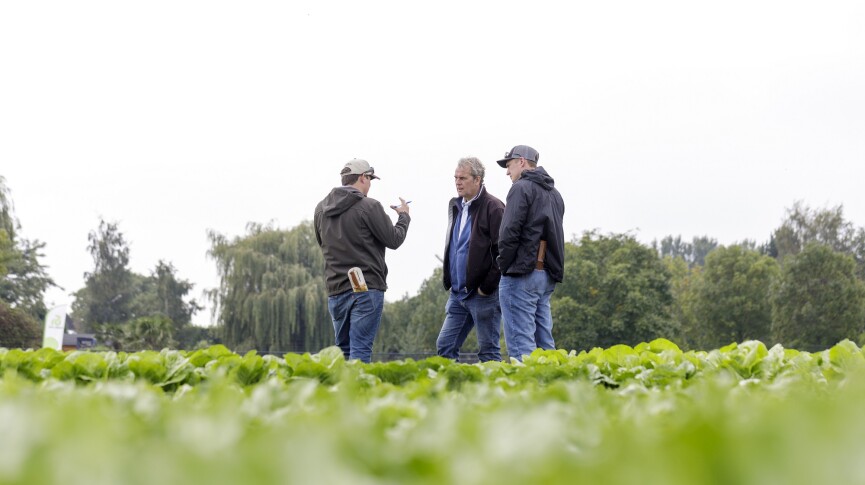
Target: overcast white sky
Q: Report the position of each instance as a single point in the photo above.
(660, 117)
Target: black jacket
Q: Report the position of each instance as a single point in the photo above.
(534, 211)
(481, 272)
(353, 230)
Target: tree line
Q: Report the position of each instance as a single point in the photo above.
(124, 309)
(24, 280)
(803, 288)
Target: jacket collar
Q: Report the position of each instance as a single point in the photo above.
(458, 201)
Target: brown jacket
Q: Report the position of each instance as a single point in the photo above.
(354, 230)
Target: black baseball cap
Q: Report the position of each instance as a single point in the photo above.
(520, 151)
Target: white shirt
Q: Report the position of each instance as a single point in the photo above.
(465, 211)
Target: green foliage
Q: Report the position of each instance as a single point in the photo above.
(144, 333)
(659, 363)
(685, 282)
(151, 332)
(804, 225)
(162, 293)
(166, 369)
(732, 301)
(693, 253)
(395, 372)
(130, 311)
(650, 413)
(575, 325)
(26, 279)
(817, 299)
(271, 295)
(6, 253)
(23, 279)
(32, 365)
(18, 329)
(193, 337)
(8, 227)
(202, 357)
(619, 292)
(89, 367)
(8, 223)
(110, 289)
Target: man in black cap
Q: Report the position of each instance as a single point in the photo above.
(531, 252)
(353, 231)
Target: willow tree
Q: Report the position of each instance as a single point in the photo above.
(271, 295)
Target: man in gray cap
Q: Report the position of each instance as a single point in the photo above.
(531, 252)
(353, 231)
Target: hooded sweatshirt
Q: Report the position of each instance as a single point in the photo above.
(354, 230)
(533, 211)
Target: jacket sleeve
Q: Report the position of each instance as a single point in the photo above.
(391, 235)
(491, 281)
(316, 223)
(515, 215)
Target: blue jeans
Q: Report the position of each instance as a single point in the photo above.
(461, 314)
(526, 311)
(356, 318)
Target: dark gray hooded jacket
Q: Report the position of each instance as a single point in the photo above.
(354, 230)
(534, 210)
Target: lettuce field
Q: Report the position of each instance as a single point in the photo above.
(651, 414)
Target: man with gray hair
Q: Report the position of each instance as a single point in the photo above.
(353, 231)
(470, 272)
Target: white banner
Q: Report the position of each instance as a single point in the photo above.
(55, 324)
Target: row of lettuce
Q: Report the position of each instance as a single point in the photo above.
(653, 364)
(651, 414)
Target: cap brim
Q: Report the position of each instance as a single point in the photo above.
(504, 162)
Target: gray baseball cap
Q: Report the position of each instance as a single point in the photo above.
(358, 167)
(520, 151)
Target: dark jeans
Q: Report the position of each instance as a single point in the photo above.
(463, 314)
(356, 318)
